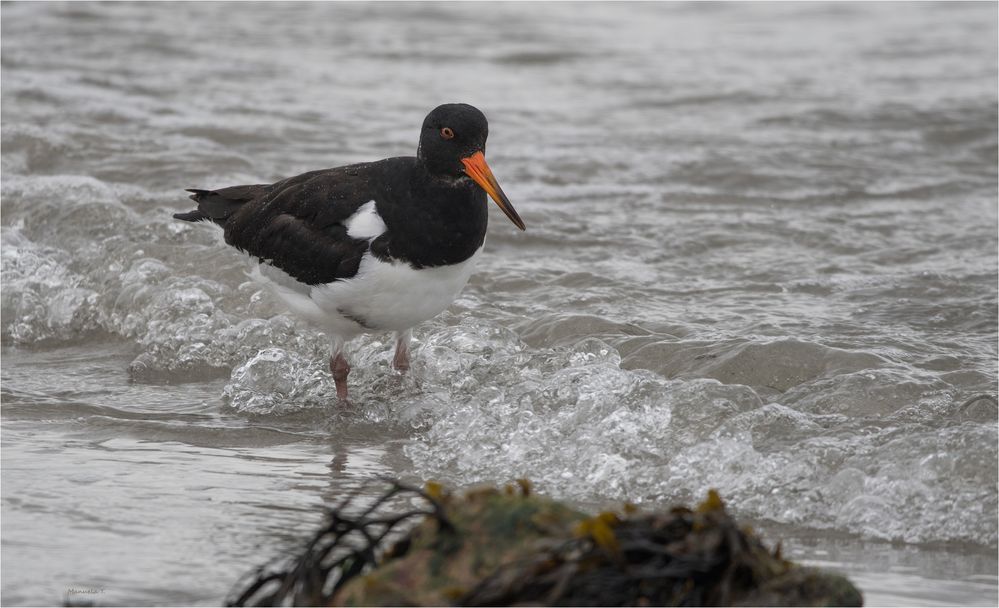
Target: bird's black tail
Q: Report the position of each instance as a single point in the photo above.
(218, 205)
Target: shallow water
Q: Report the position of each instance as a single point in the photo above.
(760, 257)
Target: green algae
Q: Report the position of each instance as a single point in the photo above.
(489, 546)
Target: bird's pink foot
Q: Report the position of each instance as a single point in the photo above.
(340, 368)
(400, 362)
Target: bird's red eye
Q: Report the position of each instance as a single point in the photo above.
(447, 133)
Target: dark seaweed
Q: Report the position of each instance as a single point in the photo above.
(682, 557)
(345, 547)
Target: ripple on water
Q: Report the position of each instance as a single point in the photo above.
(581, 426)
(790, 429)
(778, 364)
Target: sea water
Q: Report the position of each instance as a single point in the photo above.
(760, 257)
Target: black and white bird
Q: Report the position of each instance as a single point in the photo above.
(372, 247)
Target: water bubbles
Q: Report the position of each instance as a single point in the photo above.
(68, 307)
(276, 381)
(582, 427)
(846, 483)
(42, 297)
(145, 271)
(574, 410)
(980, 408)
(591, 351)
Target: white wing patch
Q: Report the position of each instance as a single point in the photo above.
(365, 223)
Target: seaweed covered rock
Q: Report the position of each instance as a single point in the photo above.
(489, 547)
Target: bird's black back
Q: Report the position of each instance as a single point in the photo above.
(299, 224)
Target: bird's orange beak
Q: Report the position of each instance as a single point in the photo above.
(477, 169)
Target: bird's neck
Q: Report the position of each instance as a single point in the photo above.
(443, 223)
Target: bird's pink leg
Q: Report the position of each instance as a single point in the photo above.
(339, 368)
(401, 359)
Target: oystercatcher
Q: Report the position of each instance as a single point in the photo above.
(372, 247)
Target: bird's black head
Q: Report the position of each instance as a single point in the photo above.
(451, 132)
(453, 145)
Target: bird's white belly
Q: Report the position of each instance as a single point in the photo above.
(382, 296)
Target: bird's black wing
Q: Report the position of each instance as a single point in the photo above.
(298, 224)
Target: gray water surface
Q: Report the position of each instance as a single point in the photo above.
(761, 257)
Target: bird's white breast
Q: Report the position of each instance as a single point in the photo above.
(392, 295)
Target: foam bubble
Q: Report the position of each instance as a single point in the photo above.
(582, 427)
(277, 381)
